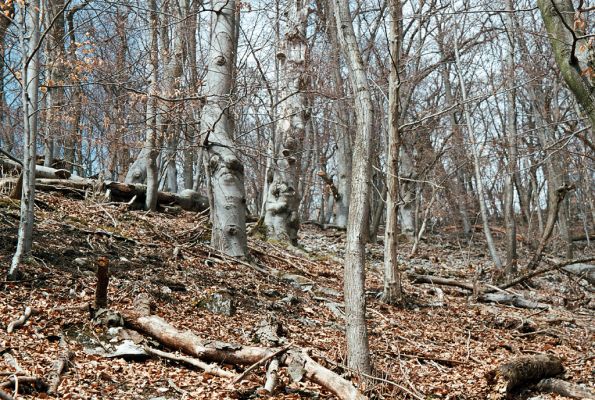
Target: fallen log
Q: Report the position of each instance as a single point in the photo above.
(524, 371)
(188, 200)
(565, 388)
(60, 365)
(40, 170)
(208, 368)
(512, 300)
(5, 396)
(436, 280)
(216, 351)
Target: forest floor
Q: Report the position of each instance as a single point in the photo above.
(439, 346)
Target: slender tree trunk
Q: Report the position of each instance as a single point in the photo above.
(458, 153)
(476, 151)
(283, 199)
(407, 189)
(358, 354)
(342, 136)
(55, 95)
(6, 18)
(29, 24)
(150, 151)
(225, 172)
(511, 138)
(392, 292)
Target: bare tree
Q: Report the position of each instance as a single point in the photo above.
(28, 21)
(392, 279)
(224, 170)
(358, 354)
(283, 199)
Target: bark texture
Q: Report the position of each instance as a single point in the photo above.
(225, 172)
(29, 25)
(283, 199)
(358, 355)
(392, 292)
(572, 51)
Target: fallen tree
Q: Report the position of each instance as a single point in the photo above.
(538, 369)
(299, 362)
(188, 200)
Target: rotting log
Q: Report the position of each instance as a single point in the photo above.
(217, 351)
(60, 365)
(524, 371)
(565, 388)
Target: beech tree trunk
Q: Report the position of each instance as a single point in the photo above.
(340, 201)
(225, 172)
(148, 156)
(29, 40)
(358, 354)
(283, 199)
(572, 51)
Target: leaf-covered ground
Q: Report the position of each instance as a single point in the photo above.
(439, 346)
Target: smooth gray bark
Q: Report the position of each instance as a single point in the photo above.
(149, 153)
(225, 172)
(28, 25)
(283, 198)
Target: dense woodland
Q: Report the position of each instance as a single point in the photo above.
(350, 199)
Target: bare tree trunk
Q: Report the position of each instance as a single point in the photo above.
(476, 163)
(225, 172)
(407, 189)
(149, 153)
(342, 137)
(572, 50)
(511, 136)
(358, 354)
(6, 18)
(459, 184)
(392, 293)
(283, 198)
(56, 59)
(28, 21)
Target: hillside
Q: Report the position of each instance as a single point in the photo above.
(440, 346)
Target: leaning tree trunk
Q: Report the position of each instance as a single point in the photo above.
(572, 50)
(283, 199)
(225, 172)
(30, 79)
(358, 354)
(392, 277)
